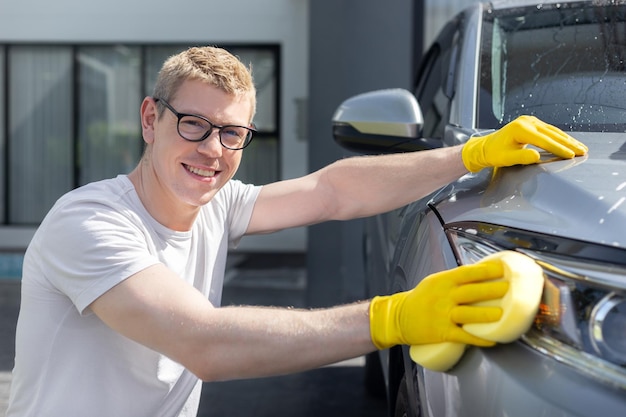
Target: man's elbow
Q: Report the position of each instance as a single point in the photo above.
(210, 367)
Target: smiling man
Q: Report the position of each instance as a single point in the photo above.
(123, 279)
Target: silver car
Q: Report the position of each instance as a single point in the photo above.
(564, 62)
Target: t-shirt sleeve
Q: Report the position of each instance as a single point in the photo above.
(239, 199)
(89, 247)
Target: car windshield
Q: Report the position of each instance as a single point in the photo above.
(562, 63)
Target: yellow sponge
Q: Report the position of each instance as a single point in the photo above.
(437, 356)
(519, 307)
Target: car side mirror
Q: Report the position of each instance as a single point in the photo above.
(381, 121)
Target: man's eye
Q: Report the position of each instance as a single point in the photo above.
(234, 132)
(193, 123)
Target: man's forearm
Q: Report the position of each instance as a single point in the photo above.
(254, 342)
(370, 185)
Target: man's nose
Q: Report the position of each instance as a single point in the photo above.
(212, 144)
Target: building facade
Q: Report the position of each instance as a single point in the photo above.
(73, 75)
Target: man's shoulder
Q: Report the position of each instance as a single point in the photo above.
(103, 190)
(235, 190)
(109, 195)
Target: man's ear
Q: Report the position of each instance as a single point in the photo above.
(149, 117)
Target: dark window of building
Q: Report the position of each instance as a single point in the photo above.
(69, 115)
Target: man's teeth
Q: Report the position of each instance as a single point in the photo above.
(201, 172)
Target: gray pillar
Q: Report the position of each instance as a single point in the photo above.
(356, 46)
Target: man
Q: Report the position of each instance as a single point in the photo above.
(123, 278)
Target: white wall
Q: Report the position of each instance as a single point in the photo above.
(170, 21)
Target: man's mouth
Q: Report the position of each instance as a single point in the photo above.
(200, 172)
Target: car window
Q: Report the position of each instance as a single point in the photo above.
(564, 64)
(435, 83)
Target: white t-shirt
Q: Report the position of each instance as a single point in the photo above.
(68, 362)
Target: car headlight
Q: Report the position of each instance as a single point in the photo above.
(582, 316)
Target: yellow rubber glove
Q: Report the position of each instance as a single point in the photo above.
(434, 311)
(519, 308)
(507, 146)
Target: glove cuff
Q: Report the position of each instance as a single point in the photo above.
(470, 153)
(383, 328)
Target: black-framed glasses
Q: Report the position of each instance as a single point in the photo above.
(195, 128)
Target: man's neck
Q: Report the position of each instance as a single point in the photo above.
(164, 209)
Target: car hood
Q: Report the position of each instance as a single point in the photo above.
(583, 198)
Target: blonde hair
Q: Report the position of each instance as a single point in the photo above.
(209, 64)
